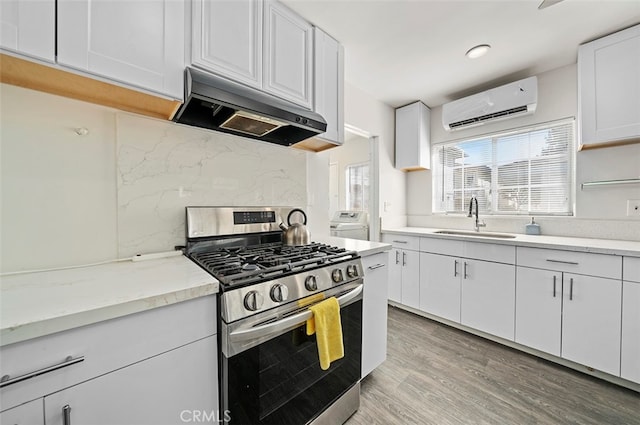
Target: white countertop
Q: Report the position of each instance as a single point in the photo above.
(37, 304)
(602, 246)
(364, 248)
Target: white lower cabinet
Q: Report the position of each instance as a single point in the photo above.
(440, 285)
(374, 311)
(488, 297)
(630, 356)
(591, 321)
(169, 388)
(539, 309)
(404, 277)
(26, 414)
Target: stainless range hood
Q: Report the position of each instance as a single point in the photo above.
(218, 104)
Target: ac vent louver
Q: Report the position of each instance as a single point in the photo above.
(488, 117)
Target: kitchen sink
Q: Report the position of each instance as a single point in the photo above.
(476, 234)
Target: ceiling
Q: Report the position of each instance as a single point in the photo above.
(400, 51)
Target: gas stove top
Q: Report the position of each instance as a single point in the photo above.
(241, 266)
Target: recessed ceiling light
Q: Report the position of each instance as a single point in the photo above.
(477, 51)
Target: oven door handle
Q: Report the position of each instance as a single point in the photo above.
(285, 323)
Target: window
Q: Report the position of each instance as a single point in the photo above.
(527, 171)
(357, 178)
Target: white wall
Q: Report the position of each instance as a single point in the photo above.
(378, 119)
(120, 190)
(599, 212)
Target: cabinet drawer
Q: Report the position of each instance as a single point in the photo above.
(442, 246)
(490, 252)
(631, 269)
(105, 346)
(569, 261)
(402, 241)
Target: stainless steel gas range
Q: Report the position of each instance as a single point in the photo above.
(269, 368)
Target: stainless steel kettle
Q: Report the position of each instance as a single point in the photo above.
(296, 234)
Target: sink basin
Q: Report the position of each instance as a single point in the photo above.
(476, 234)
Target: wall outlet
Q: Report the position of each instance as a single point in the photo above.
(633, 208)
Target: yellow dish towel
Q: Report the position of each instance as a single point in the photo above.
(328, 329)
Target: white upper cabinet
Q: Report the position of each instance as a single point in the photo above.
(328, 96)
(28, 27)
(413, 147)
(140, 43)
(609, 88)
(288, 54)
(227, 39)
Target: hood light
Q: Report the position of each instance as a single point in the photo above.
(477, 51)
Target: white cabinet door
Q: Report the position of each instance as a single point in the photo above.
(374, 311)
(411, 278)
(609, 87)
(28, 27)
(592, 321)
(413, 147)
(630, 366)
(288, 54)
(227, 39)
(488, 297)
(25, 414)
(395, 275)
(440, 278)
(539, 309)
(166, 389)
(328, 96)
(140, 43)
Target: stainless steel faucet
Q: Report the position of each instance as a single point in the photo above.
(478, 223)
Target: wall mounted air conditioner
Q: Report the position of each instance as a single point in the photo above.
(508, 101)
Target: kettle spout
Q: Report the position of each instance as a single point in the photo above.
(282, 226)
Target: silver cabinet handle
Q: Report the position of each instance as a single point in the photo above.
(376, 266)
(8, 380)
(280, 325)
(397, 260)
(455, 268)
(404, 258)
(562, 262)
(571, 289)
(554, 286)
(66, 415)
(404, 242)
(465, 270)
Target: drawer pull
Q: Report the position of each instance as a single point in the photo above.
(465, 270)
(562, 262)
(455, 268)
(375, 266)
(397, 260)
(571, 289)
(399, 241)
(554, 286)
(404, 258)
(66, 415)
(7, 380)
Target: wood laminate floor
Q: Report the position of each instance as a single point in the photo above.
(435, 374)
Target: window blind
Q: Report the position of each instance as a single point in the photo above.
(357, 179)
(526, 171)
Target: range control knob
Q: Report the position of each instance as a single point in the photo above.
(279, 293)
(352, 270)
(336, 275)
(311, 283)
(253, 300)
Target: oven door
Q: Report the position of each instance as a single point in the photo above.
(271, 370)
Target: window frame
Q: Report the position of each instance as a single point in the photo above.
(494, 138)
(347, 190)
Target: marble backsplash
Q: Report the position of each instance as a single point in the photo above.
(163, 167)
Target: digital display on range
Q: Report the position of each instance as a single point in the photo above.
(251, 217)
